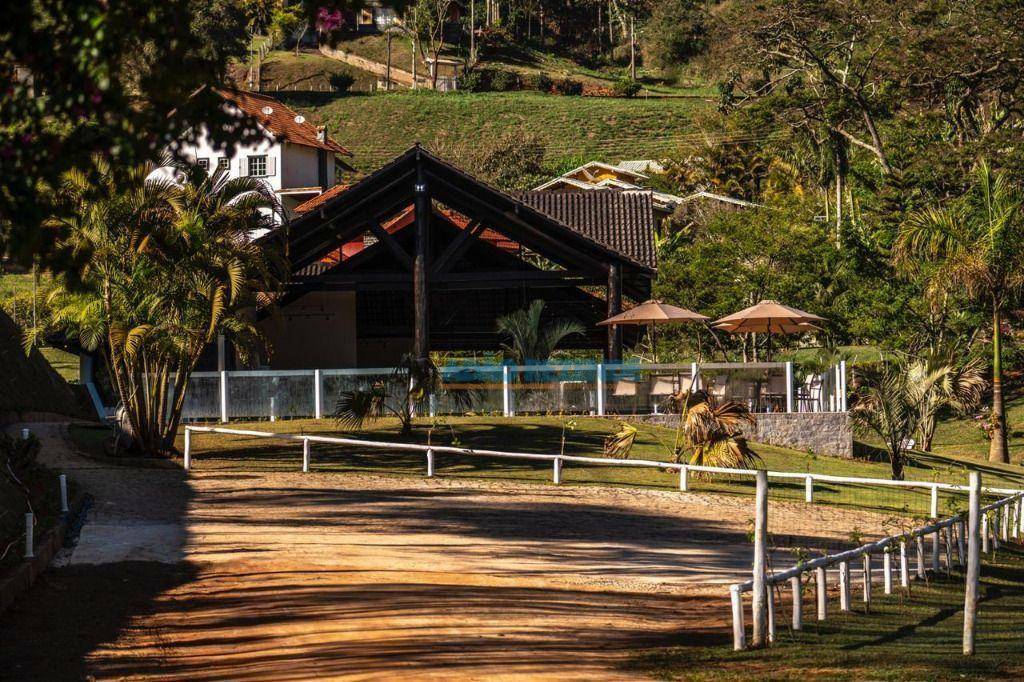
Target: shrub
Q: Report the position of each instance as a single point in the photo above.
(478, 80)
(569, 86)
(541, 82)
(626, 87)
(504, 81)
(341, 82)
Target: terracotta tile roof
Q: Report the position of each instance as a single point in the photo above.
(622, 220)
(318, 200)
(280, 122)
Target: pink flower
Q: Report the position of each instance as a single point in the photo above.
(327, 20)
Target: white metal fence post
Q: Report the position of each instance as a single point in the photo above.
(844, 585)
(904, 566)
(842, 385)
(867, 578)
(318, 389)
(29, 535)
(973, 563)
(809, 489)
(935, 502)
(63, 493)
(821, 587)
(796, 587)
(188, 448)
(984, 532)
(919, 545)
(887, 570)
(430, 463)
(224, 396)
(684, 478)
(506, 395)
(739, 635)
(789, 387)
(556, 470)
(600, 390)
(759, 633)
(305, 455)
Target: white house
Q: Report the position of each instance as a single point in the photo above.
(628, 175)
(296, 159)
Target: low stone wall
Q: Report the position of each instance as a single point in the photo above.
(823, 433)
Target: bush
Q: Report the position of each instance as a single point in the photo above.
(569, 86)
(504, 81)
(478, 80)
(341, 82)
(626, 87)
(540, 82)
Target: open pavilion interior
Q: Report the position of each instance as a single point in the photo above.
(422, 257)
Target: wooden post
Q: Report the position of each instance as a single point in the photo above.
(973, 563)
(224, 397)
(919, 545)
(188, 449)
(759, 636)
(947, 535)
(1004, 526)
(771, 615)
(935, 502)
(613, 353)
(420, 289)
(809, 490)
(632, 48)
(935, 552)
(430, 463)
(984, 532)
(556, 470)
(796, 587)
(318, 390)
(844, 586)
(867, 579)
(961, 547)
(62, 480)
(30, 535)
(305, 455)
(684, 478)
(904, 566)
(821, 587)
(887, 570)
(739, 635)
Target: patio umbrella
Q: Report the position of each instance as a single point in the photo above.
(769, 317)
(653, 313)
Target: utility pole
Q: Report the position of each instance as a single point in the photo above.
(472, 32)
(387, 72)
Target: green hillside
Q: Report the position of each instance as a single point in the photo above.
(378, 127)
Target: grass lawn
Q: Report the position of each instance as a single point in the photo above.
(963, 437)
(285, 70)
(379, 127)
(919, 639)
(543, 434)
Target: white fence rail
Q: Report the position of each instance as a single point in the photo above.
(597, 389)
(1002, 519)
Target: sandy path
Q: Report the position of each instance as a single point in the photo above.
(229, 576)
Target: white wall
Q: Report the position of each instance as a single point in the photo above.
(301, 169)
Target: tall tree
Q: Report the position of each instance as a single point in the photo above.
(975, 244)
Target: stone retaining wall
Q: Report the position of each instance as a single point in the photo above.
(823, 433)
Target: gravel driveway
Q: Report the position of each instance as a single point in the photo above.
(281, 576)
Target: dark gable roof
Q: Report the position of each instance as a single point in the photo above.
(622, 220)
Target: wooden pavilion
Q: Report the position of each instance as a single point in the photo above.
(421, 256)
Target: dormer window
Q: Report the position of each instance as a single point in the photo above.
(224, 164)
(204, 163)
(258, 166)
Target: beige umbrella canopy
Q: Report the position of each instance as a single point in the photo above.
(769, 317)
(654, 313)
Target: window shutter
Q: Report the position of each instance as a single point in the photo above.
(243, 168)
(271, 165)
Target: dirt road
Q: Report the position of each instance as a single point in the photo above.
(228, 576)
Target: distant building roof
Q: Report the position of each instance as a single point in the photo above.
(620, 219)
(319, 199)
(281, 121)
(642, 165)
(704, 194)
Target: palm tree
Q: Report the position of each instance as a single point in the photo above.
(168, 267)
(530, 340)
(713, 431)
(886, 403)
(938, 382)
(974, 244)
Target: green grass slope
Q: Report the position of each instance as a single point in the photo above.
(29, 383)
(379, 127)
